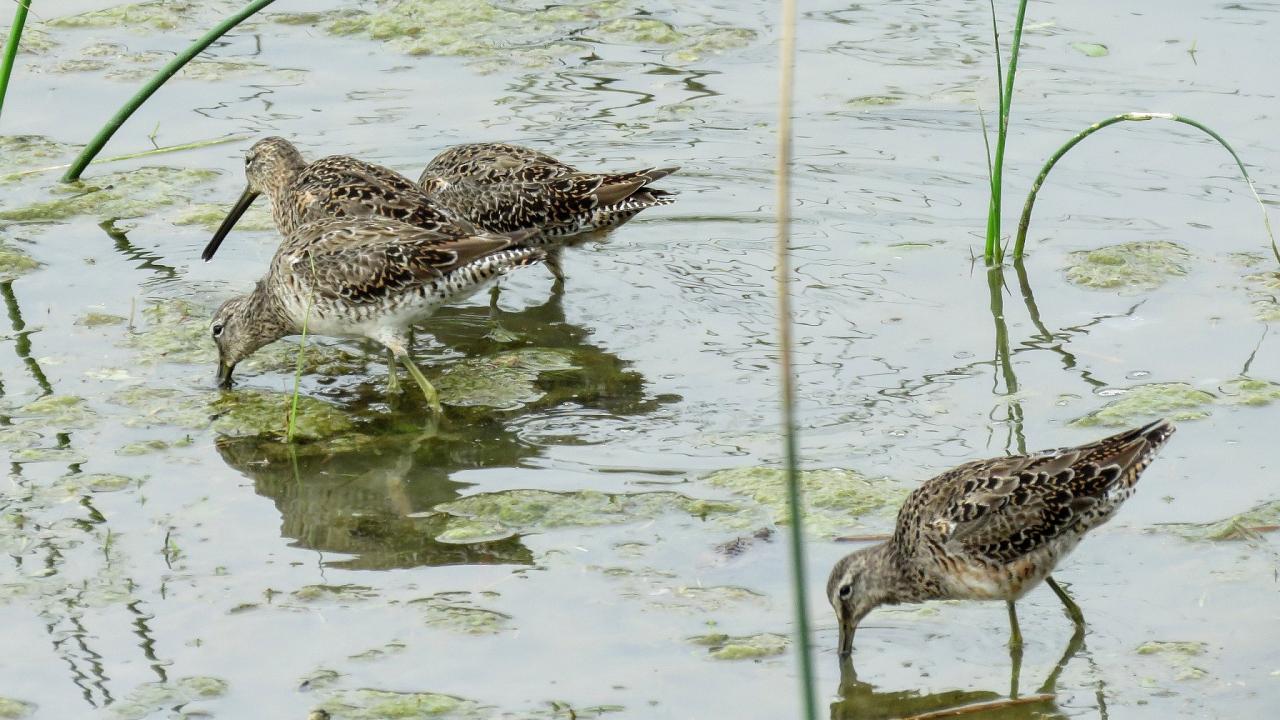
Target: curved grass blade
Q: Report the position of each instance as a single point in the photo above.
(1025, 221)
(11, 47)
(169, 70)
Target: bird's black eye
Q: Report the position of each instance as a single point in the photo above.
(248, 160)
(217, 329)
(846, 591)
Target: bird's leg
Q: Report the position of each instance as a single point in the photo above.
(553, 261)
(393, 379)
(428, 390)
(493, 299)
(1015, 650)
(1073, 610)
(395, 343)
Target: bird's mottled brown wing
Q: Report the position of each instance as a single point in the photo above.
(365, 260)
(342, 186)
(1001, 509)
(487, 163)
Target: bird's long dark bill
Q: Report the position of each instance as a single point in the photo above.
(846, 639)
(246, 199)
(224, 374)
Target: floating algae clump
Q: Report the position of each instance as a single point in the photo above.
(504, 381)
(1178, 654)
(1245, 526)
(368, 704)
(1135, 266)
(1249, 391)
(640, 31)
(22, 152)
(1179, 401)
(744, 647)
(248, 412)
(97, 319)
(454, 611)
(139, 17)
(493, 516)
(128, 194)
(59, 411)
(14, 262)
(530, 36)
(14, 709)
(151, 698)
(210, 215)
(835, 498)
(711, 41)
(11, 709)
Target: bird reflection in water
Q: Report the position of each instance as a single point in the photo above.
(369, 497)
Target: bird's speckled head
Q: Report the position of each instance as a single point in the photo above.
(271, 165)
(241, 326)
(860, 582)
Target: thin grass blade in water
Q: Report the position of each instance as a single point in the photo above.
(1025, 221)
(800, 597)
(169, 70)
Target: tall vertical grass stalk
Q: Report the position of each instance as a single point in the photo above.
(95, 145)
(993, 252)
(11, 47)
(1025, 221)
(786, 94)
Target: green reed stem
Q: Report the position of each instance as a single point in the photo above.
(11, 47)
(994, 253)
(786, 95)
(169, 70)
(302, 354)
(1025, 221)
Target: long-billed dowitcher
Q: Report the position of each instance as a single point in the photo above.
(334, 186)
(993, 529)
(361, 277)
(506, 188)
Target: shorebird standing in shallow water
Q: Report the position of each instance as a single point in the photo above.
(361, 277)
(332, 187)
(508, 188)
(993, 529)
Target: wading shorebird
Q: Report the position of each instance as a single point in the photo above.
(510, 188)
(332, 187)
(362, 277)
(993, 529)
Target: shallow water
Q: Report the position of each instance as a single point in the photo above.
(567, 547)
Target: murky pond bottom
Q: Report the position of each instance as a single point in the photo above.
(594, 529)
